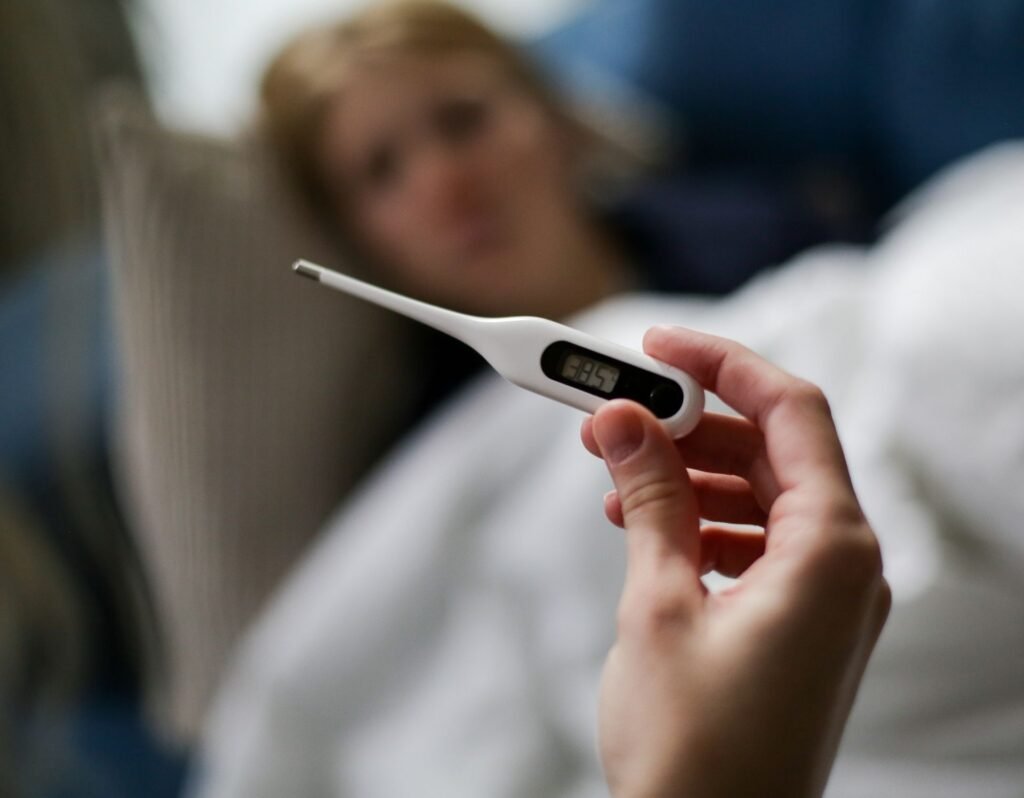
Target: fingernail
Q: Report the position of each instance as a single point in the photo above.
(619, 437)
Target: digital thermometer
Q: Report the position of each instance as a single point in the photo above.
(546, 357)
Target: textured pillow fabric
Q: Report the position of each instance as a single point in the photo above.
(251, 400)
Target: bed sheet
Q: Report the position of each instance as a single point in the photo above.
(446, 634)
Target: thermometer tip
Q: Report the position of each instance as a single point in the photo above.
(306, 269)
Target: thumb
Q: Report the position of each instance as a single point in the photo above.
(659, 508)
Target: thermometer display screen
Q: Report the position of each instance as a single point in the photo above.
(590, 372)
(605, 376)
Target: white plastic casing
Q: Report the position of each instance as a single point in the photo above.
(514, 347)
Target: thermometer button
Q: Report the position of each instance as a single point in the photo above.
(665, 399)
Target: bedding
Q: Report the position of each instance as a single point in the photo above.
(444, 636)
(886, 93)
(231, 440)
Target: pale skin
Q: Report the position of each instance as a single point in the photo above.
(746, 691)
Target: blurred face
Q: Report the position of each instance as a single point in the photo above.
(455, 180)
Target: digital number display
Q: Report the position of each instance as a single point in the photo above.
(605, 376)
(590, 372)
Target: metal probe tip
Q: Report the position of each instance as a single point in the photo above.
(303, 268)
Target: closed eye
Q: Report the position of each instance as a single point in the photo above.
(458, 120)
(382, 167)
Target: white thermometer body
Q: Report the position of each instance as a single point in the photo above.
(548, 358)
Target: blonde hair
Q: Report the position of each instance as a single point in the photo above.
(308, 73)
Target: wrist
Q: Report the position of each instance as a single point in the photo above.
(728, 768)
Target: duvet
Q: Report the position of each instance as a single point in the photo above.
(445, 635)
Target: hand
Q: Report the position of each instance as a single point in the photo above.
(746, 691)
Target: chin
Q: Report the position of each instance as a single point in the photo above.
(488, 284)
(487, 302)
(482, 291)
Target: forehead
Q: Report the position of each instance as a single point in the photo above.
(383, 95)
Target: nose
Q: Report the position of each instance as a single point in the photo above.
(442, 182)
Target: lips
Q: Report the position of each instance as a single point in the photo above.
(477, 236)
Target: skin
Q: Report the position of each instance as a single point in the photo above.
(461, 185)
(746, 691)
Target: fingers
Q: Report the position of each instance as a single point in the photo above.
(657, 504)
(729, 552)
(613, 508)
(719, 444)
(729, 445)
(800, 438)
(727, 499)
(720, 498)
(587, 436)
(722, 444)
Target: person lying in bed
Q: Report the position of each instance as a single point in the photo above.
(413, 653)
(445, 159)
(453, 168)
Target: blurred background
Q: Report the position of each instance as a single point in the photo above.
(124, 135)
(79, 646)
(204, 59)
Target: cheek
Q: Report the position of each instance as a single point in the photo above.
(390, 230)
(532, 153)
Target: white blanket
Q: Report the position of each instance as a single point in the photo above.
(445, 636)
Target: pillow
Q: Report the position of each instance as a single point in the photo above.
(250, 400)
(888, 93)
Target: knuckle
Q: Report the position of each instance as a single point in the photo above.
(806, 394)
(844, 512)
(648, 614)
(883, 604)
(758, 469)
(851, 558)
(650, 495)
